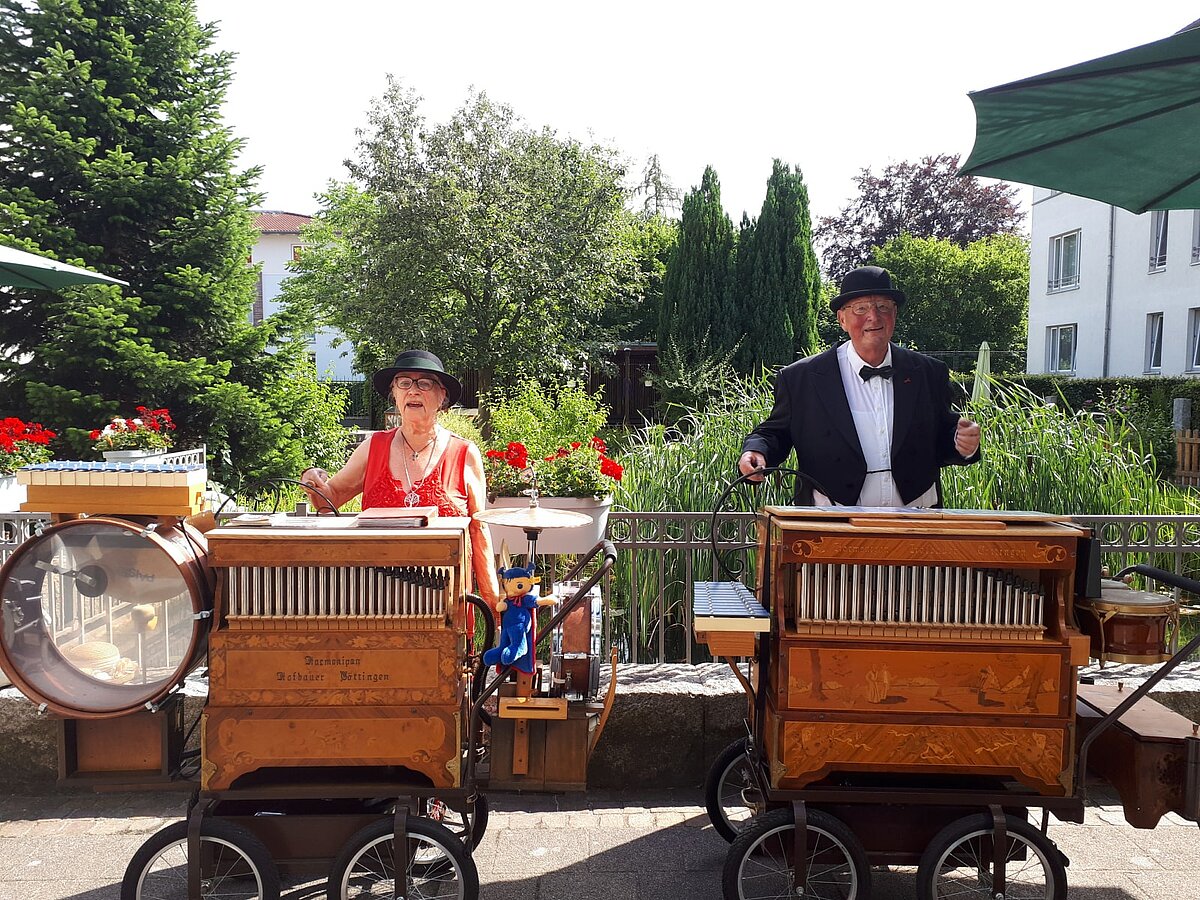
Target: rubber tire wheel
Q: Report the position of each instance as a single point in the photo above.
(254, 857)
(715, 786)
(823, 830)
(958, 832)
(381, 834)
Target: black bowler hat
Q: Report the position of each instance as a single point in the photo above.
(418, 361)
(867, 281)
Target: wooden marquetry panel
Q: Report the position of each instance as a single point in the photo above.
(992, 681)
(286, 668)
(929, 549)
(240, 741)
(442, 544)
(808, 750)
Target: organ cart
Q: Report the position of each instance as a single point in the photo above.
(913, 693)
(347, 729)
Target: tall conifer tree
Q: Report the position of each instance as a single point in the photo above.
(778, 305)
(697, 310)
(113, 154)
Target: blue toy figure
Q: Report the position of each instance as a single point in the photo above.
(516, 619)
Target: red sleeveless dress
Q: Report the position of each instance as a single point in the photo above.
(444, 487)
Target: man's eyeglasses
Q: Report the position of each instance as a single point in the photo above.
(423, 384)
(882, 307)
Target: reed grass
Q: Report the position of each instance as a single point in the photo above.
(1036, 456)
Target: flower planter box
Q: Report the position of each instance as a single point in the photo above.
(12, 495)
(553, 540)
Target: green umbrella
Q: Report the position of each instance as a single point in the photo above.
(27, 270)
(1121, 129)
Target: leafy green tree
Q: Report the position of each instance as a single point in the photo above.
(959, 297)
(925, 199)
(632, 312)
(697, 308)
(778, 276)
(491, 243)
(113, 154)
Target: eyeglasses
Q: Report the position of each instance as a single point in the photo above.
(423, 384)
(882, 307)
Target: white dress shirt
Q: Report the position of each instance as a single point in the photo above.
(872, 406)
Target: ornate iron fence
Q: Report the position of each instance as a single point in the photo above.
(648, 612)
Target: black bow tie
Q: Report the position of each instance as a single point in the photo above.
(869, 372)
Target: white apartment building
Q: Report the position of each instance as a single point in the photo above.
(1112, 293)
(278, 244)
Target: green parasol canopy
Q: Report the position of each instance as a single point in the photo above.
(28, 270)
(1121, 129)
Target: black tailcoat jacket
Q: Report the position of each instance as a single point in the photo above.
(812, 415)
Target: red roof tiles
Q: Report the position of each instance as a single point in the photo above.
(274, 221)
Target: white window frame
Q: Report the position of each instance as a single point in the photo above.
(1154, 336)
(1195, 236)
(1054, 336)
(1194, 339)
(1060, 251)
(1158, 240)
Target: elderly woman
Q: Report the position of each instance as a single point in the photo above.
(418, 464)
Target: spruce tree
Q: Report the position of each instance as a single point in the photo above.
(697, 310)
(114, 156)
(779, 301)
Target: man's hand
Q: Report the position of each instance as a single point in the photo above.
(752, 460)
(966, 438)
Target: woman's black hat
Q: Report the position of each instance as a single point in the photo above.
(418, 361)
(867, 281)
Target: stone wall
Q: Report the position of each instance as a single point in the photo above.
(667, 725)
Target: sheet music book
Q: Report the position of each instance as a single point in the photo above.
(396, 517)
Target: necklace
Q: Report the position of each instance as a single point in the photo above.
(412, 498)
(415, 452)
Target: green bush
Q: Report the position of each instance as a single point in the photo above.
(554, 433)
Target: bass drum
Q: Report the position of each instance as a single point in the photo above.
(100, 616)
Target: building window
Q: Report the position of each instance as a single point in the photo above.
(1194, 338)
(1196, 236)
(1064, 262)
(1060, 348)
(297, 249)
(1154, 333)
(1158, 240)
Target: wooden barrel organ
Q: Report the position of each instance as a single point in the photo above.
(334, 647)
(924, 643)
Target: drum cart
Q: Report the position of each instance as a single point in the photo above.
(903, 712)
(345, 730)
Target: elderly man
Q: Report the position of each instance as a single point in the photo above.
(871, 422)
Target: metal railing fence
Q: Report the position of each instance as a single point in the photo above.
(648, 610)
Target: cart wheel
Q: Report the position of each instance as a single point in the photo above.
(366, 866)
(759, 864)
(958, 862)
(234, 865)
(730, 792)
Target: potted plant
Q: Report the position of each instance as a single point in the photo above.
(21, 444)
(548, 439)
(146, 434)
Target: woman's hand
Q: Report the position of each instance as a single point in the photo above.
(319, 479)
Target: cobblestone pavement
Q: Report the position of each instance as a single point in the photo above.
(575, 847)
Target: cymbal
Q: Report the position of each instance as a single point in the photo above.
(533, 517)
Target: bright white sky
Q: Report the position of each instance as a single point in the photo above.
(831, 86)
